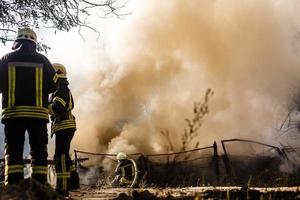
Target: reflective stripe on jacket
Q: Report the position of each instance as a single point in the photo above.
(60, 107)
(126, 171)
(26, 80)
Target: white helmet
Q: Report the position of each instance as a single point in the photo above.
(121, 156)
(25, 34)
(60, 71)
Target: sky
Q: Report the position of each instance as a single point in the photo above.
(145, 72)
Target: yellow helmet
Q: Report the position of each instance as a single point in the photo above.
(121, 156)
(60, 71)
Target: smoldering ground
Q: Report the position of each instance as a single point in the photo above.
(165, 56)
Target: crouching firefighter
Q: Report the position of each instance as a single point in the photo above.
(63, 126)
(126, 172)
(26, 80)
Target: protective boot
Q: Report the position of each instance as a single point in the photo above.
(62, 174)
(74, 182)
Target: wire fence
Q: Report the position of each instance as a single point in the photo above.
(190, 167)
(242, 160)
(258, 163)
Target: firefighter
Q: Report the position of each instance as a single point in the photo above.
(126, 172)
(64, 127)
(26, 80)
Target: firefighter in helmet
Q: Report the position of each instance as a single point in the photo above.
(126, 172)
(64, 127)
(26, 80)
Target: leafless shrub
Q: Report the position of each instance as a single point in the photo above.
(200, 111)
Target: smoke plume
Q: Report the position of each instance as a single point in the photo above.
(167, 55)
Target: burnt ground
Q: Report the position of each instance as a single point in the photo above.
(28, 189)
(188, 193)
(33, 190)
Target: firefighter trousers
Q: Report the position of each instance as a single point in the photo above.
(14, 143)
(67, 176)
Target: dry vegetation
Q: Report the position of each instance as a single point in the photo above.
(200, 111)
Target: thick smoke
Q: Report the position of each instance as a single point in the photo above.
(167, 54)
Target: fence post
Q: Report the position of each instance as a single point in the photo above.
(216, 162)
(226, 162)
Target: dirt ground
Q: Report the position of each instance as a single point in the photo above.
(188, 193)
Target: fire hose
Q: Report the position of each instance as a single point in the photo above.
(135, 174)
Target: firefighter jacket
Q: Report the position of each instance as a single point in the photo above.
(26, 80)
(126, 169)
(60, 107)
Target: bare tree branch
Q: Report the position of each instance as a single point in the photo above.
(62, 15)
